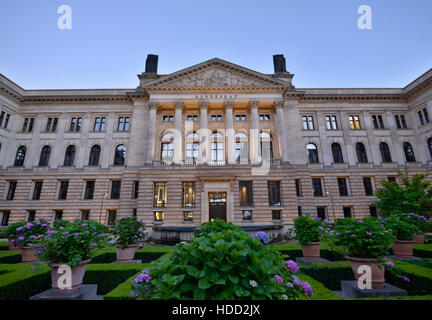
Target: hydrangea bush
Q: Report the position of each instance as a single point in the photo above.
(403, 231)
(10, 233)
(27, 233)
(421, 222)
(128, 231)
(310, 230)
(72, 243)
(221, 262)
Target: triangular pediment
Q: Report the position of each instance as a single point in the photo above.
(216, 73)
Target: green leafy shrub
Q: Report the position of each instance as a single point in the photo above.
(10, 232)
(421, 222)
(60, 223)
(128, 231)
(309, 229)
(221, 262)
(402, 230)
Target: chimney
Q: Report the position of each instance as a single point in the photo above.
(151, 63)
(279, 63)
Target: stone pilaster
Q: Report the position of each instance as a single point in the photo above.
(296, 148)
(204, 147)
(138, 136)
(151, 139)
(254, 132)
(230, 132)
(282, 129)
(179, 132)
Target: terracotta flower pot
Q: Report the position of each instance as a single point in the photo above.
(27, 255)
(311, 251)
(126, 255)
(403, 249)
(76, 281)
(378, 275)
(419, 238)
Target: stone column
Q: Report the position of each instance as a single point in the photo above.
(150, 144)
(254, 132)
(178, 137)
(296, 144)
(282, 129)
(230, 132)
(204, 147)
(138, 137)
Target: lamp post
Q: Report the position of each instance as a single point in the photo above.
(331, 197)
(100, 214)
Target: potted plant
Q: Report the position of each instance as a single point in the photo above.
(127, 232)
(404, 233)
(421, 222)
(26, 234)
(73, 245)
(365, 242)
(11, 234)
(309, 232)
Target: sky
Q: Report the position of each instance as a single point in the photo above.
(109, 40)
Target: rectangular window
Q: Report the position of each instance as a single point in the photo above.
(247, 215)
(299, 211)
(11, 191)
(308, 123)
(37, 190)
(347, 212)
(274, 193)
(426, 115)
(134, 212)
(48, 126)
(240, 117)
(89, 190)
(75, 125)
(123, 124)
(354, 121)
(317, 187)
(216, 118)
(136, 189)
(193, 118)
(400, 121)
(378, 121)
(264, 117)
(63, 190)
(2, 114)
(420, 117)
(5, 218)
(159, 216)
(343, 187)
(28, 125)
(31, 215)
(321, 212)
(404, 124)
(331, 123)
(6, 121)
(51, 125)
(115, 189)
(168, 118)
(188, 194)
(160, 194)
(99, 124)
(85, 215)
(187, 215)
(276, 214)
(367, 182)
(112, 217)
(373, 211)
(391, 179)
(58, 215)
(246, 194)
(298, 187)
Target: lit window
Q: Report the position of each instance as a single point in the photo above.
(188, 194)
(188, 216)
(354, 121)
(247, 214)
(160, 194)
(159, 216)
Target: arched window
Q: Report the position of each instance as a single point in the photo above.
(120, 155)
(217, 147)
(409, 152)
(167, 147)
(337, 153)
(94, 155)
(430, 146)
(241, 145)
(70, 156)
(45, 156)
(192, 147)
(20, 156)
(312, 153)
(266, 145)
(361, 153)
(385, 152)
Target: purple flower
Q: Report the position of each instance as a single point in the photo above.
(102, 235)
(140, 245)
(307, 288)
(347, 231)
(406, 279)
(21, 238)
(76, 234)
(140, 230)
(353, 235)
(369, 233)
(84, 225)
(66, 233)
(278, 278)
(61, 228)
(94, 228)
(389, 264)
(360, 221)
(263, 236)
(296, 280)
(321, 228)
(19, 229)
(292, 266)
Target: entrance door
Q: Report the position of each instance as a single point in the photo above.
(217, 206)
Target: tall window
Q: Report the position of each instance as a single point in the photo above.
(123, 124)
(11, 191)
(135, 189)
(31, 216)
(321, 212)
(192, 147)
(51, 125)
(400, 121)
(37, 190)
(160, 194)
(28, 125)
(85, 215)
(75, 124)
(347, 212)
(94, 155)
(331, 123)
(385, 152)
(343, 187)
(120, 155)
(367, 182)
(89, 190)
(20, 156)
(64, 185)
(70, 156)
(115, 189)
(308, 123)
(361, 153)
(45, 156)
(246, 194)
(312, 153)
(373, 211)
(167, 152)
(354, 121)
(317, 187)
(378, 121)
(425, 114)
(99, 124)
(188, 194)
(274, 193)
(430, 145)
(217, 148)
(298, 188)
(5, 218)
(421, 118)
(5, 125)
(58, 215)
(409, 152)
(241, 145)
(112, 217)
(266, 146)
(337, 153)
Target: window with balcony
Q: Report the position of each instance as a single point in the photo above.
(242, 149)
(409, 152)
(69, 156)
(312, 153)
(266, 146)
(20, 156)
(167, 147)
(385, 152)
(217, 152)
(94, 155)
(192, 148)
(120, 155)
(361, 153)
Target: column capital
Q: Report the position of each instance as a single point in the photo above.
(153, 105)
(278, 104)
(253, 104)
(229, 104)
(203, 104)
(179, 104)
(137, 101)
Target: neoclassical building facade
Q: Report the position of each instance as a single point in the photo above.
(212, 141)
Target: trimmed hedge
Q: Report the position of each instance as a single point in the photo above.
(423, 250)
(319, 291)
(122, 291)
(10, 256)
(293, 251)
(4, 245)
